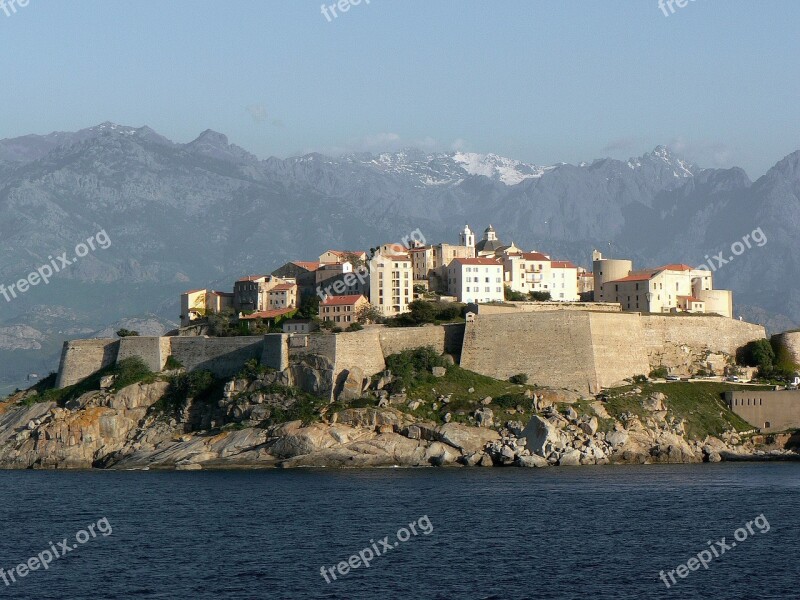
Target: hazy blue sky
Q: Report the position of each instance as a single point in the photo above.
(541, 81)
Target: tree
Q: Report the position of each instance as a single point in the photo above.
(127, 333)
(758, 353)
(514, 296)
(540, 296)
(423, 312)
(368, 314)
(354, 260)
(309, 307)
(223, 323)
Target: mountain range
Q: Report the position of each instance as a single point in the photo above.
(203, 213)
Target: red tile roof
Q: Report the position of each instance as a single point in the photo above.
(346, 252)
(563, 264)
(267, 314)
(307, 265)
(341, 300)
(284, 287)
(477, 261)
(535, 256)
(643, 276)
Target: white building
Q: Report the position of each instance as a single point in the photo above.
(475, 280)
(391, 283)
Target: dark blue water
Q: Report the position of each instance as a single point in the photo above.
(497, 533)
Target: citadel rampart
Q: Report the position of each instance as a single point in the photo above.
(790, 342)
(581, 350)
(590, 350)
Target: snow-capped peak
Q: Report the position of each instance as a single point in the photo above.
(507, 170)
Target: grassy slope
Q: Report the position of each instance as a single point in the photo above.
(700, 404)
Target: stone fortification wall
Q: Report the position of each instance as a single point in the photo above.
(585, 350)
(682, 341)
(552, 348)
(150, 349)
(791, 343)
(617, 347)
(224, 357)
(82, 358)
(518, 307)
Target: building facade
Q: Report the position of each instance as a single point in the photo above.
(341, 309)
(391, 283)
(473, 280)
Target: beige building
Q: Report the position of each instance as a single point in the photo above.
(527, 272)
(391, 283)
(670, 288)
(339, 256)
(283, 295)
(254, 293)
(769, 411)
(341, 309)
(430, 262)
(198, 304)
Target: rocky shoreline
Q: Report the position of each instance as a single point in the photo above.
(120, 430)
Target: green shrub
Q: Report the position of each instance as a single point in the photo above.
(411, 365)
(253, 369)
(127, 333)
(131, 370)
(172, 364)
(355, 327)
(198, 385)
(540, 296)
(639, 379)
(659, 373)
(514, 296)
(519, 379)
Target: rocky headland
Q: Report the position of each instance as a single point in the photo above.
(176, 420)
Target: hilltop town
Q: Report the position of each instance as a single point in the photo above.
(476, 353)
(344, 288)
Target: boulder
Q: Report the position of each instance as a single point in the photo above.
(589, 427)
(466, 439)
(439, 371)
(532, 461)
(571, 458)
(484, 417)
(541, 435)
(353, 387)
(655, 402)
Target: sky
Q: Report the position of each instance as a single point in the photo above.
(541, 81)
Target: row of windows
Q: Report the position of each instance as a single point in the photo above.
(486, 289)
(746, 402)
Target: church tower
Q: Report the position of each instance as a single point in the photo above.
(467, 238)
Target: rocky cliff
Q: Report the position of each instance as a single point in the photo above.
(261, 421)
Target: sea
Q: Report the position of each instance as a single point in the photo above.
(721, 531)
